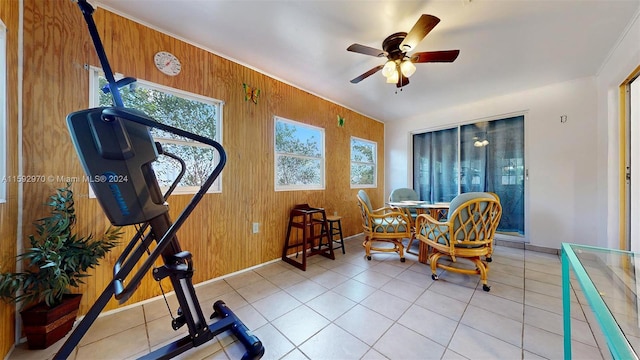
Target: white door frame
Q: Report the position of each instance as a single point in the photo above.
(633, 219)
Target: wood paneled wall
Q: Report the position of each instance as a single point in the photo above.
(218, 233)
(9, 12)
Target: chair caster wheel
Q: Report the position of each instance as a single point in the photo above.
(402, 259)
(434, 276)
(368, 257)
(486, 287)
(489, 259)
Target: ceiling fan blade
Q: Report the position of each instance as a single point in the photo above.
(435, 56)
(367, 74)
(402, 81)
(362, 49)
(424, 25)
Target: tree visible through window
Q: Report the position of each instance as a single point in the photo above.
(363, 163)
(185, 111)
(299, 156)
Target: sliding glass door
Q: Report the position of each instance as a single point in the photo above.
(484, 156)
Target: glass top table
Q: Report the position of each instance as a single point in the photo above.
(610, 280)
(436, 210)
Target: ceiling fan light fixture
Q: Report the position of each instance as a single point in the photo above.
(394, 77)
(407, 68)
(399, 65)
(389, 68)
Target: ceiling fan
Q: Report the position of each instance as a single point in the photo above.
(400, 66)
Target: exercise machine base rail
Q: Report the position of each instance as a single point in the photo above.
(228, 322)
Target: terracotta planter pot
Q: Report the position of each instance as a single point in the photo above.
(44, 326)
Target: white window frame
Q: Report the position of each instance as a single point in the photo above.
(375, 164)
(322, 158)
(94, 93)
(3, 112)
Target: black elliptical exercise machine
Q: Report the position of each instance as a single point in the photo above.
(116, 150)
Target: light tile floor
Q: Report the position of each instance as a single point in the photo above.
(352, 308)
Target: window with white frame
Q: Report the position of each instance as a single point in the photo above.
(299, 156)
(187, 111)
(3, 112)
(363, 163)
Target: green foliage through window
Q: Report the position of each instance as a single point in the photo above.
(299, 153)
(363, 163)
(184, 111)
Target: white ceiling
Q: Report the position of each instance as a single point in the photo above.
(505, 45)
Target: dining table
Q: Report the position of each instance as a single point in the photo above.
(437, 210)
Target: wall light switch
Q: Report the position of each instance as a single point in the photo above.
(256, 227)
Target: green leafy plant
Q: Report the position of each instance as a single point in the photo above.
(58, 258)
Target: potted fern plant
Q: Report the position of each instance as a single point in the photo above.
(56, 261)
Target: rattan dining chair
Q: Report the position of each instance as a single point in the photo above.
(467, 233)
(383, 225)
(407, 194)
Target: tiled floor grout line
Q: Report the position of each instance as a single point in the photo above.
(295, 347)
(333, 321)
(396, 321)
(458, 321)
(456, 328)
(371, 347)
(573, 292)
(522, 347)
(400, 275)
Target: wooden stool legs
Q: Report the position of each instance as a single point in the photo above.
(335, 229)
(307, 218)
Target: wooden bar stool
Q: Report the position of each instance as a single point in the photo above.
(307, 219)
(335, 229)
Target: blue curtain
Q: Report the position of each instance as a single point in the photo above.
(491, 159)
(435, 164)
